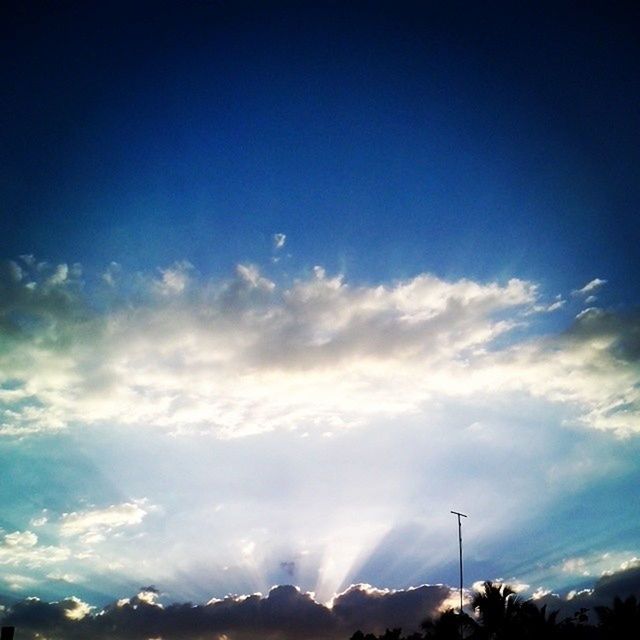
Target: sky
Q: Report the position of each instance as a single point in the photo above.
(283, 284)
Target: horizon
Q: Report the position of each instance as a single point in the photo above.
(283, 284)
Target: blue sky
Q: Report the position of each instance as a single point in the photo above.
(285, 283)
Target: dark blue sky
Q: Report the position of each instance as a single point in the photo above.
(383, 138)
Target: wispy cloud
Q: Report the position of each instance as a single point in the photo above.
(590, 287)
(279, 240)
(93, 525)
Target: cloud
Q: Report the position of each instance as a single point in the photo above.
(93, 524)
(622, 583)
(68, 578)
(18, 582)
(285, 613)
(21, 548)
(278, 240)
(548, 307)
(599, 564)
(112, 274)
(59, 276)
(174, 279)
(21, 539)
(146, 596)
(54, 617)
(249, 278)
(590, 287)
(244, 355)
(372, 610)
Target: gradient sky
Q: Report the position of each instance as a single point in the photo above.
(285, 283)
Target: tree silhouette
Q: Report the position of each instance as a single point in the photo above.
(501, 615)
(536, 623)
(450, 625)
(498, 610)
(622, 620)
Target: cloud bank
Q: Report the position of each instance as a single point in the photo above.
(285, 613)
(245, 355)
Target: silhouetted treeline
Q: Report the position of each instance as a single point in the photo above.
(501, 615)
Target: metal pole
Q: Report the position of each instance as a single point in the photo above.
(457, 513)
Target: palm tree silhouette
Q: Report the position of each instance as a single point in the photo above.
(498, 609)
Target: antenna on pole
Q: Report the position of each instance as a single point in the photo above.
(457, 513)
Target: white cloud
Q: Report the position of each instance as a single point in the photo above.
(250, 275)
(112, 274)
(21, 548)
(600, 564)
(575, 565)
(68, 578)
(21, 539)
(246, 356)
(175, 278)
(590, 287)
(556, 305)
(589, 311)
(93, 524)
(59, 276)
(76, 609)
(278, 240)
(18, 582)
(149, 596)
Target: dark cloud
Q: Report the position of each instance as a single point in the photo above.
(284, 614)
(373, 610)
(619, 331)
(34, 298)
(619, 584)
(56, 619)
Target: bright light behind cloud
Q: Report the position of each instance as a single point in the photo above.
(254, 434)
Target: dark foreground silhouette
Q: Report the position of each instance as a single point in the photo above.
(502, 615)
